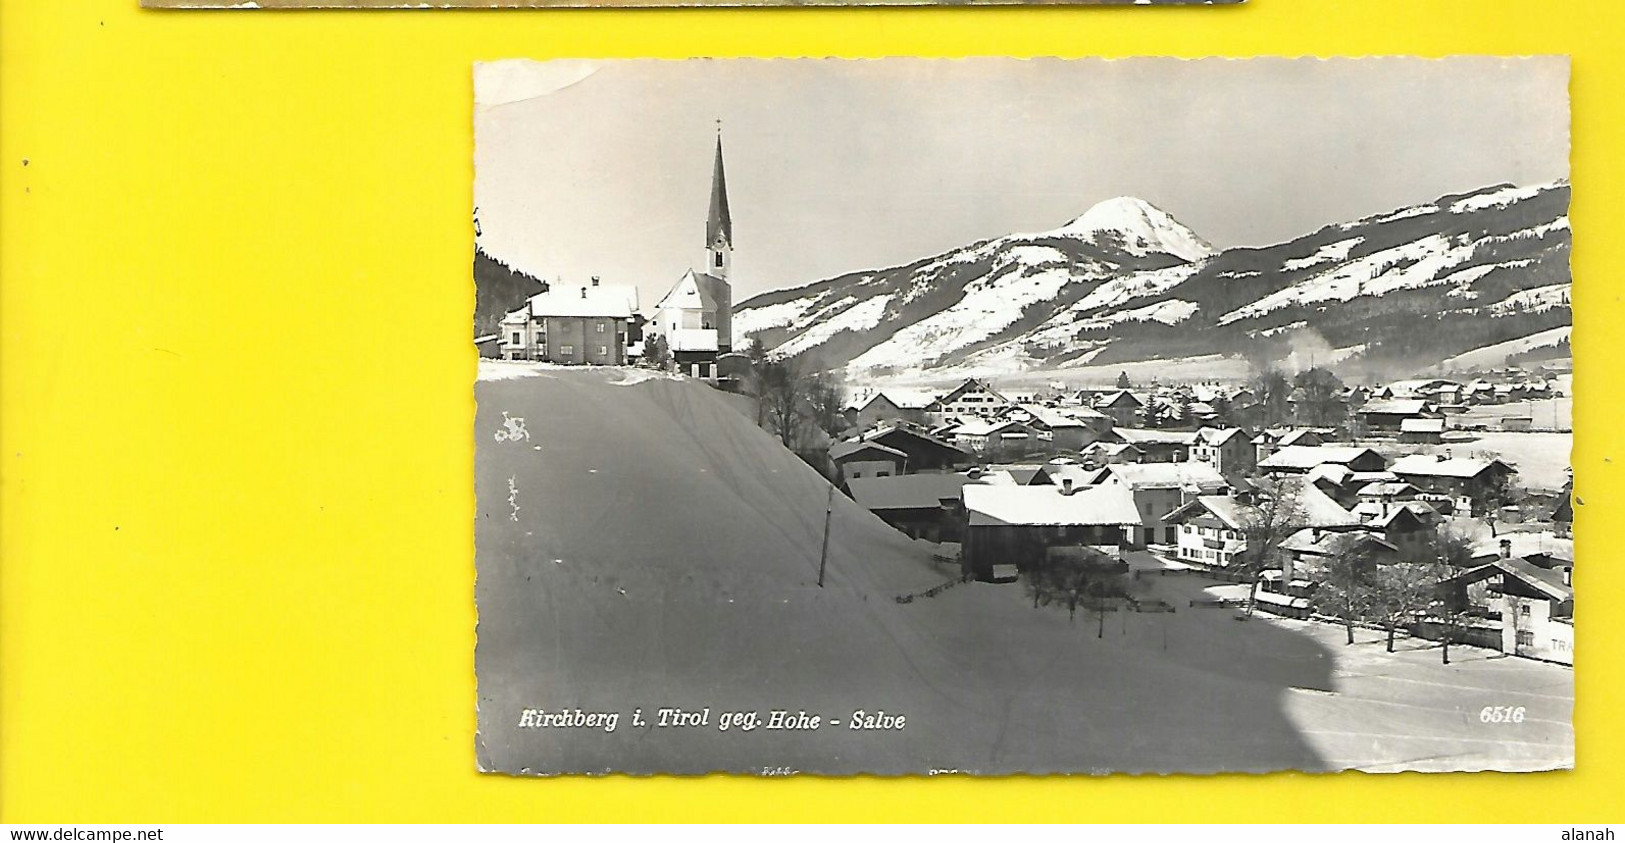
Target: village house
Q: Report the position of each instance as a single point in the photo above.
(924, 452)
(1421, 431)
(1473, 484)
(1159, 489)
(1534, 606)
(1111, 453)
(973, 398)
(1158, 445)
(922, 506)
(1307, 552)
(590, 324)
(1410, 528)
(1539, 548)
(1122, 406)
(887, 405)
(866, 459)
(1212, 529)
(1269, 441)
(1387, 416)
(1228, 450)
(998, 438)
(1301, 459)
(1069, 429)
(1024, 527)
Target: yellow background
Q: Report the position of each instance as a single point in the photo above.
(237, 543)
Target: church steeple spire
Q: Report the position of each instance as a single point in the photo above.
(719, 227)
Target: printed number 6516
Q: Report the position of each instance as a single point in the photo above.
(1501, 714)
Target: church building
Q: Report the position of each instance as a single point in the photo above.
(695, 317)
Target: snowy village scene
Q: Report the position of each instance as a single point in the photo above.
(992, 416)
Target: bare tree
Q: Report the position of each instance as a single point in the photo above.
(1344, 585)
(1453, 552)
(824, 402)
(1089, 579)
(1406, 591)
(781, 387)
(1276, 513)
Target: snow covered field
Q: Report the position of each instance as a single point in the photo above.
(644, 545)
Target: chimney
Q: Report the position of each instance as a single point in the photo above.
(1441, 457)
(1066, 485)
(583, 292)
(1568, 575)
(1506, 548)
(595, 280)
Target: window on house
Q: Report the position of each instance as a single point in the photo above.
(540, 338)
(603, 350)
(717, 260)
(600, 327)
(567, 349)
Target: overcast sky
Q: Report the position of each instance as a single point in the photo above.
(604, 168)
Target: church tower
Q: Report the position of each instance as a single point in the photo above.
(719, 227)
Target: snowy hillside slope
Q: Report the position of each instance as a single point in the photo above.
(1127, 282)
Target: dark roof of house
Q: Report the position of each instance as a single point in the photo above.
(888, 431)
(842, 450)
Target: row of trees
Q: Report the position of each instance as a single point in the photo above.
(1084, 579)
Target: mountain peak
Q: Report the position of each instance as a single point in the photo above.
(1140, 228)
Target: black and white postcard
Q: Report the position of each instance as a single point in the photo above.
(1002, 416)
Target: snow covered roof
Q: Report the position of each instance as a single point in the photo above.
(1526, 544)
(1309, 456)
(1164, 475)
(1079, 475)
(1141, 436)
(979, 427)
(1442, 465)
(1216, 436)
(696, 291)
(906, 491)
(1049, 506)
(1377, 514)
(1395, 407)
(1231, 512)
(607, 301)
(1549, 583)
(1421, 426)
(1121, 397)
(969, 385)
(903, 399)
(1051, 417)
(1327, 542)
(1387, 489)
(1330, 472)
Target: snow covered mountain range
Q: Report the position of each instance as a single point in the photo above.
(1125, 281)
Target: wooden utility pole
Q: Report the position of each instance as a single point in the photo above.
(823, 553)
